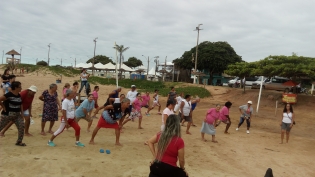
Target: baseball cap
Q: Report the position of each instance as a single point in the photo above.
(250, 102)
(33, 88)
(133, 86)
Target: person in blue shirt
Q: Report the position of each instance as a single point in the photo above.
(84, 111)
(7, 86)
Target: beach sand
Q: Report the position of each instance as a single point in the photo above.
(236, 154)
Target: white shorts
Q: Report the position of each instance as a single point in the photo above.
(155, 103)
(26, 112)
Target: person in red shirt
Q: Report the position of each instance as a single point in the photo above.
(27, 100)
(170, 147)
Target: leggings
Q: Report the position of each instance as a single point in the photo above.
(242, 121)
(17, 119)
(72, 123)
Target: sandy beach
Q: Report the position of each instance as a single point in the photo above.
(236, 154)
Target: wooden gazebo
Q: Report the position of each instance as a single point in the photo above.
(14, 60)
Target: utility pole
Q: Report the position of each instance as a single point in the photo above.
(75, 62)
(61, 61)
(156, 60)
(48, 52)
(197, 29)
(164, 69)
(36, 61)
(148, 66)
(94, 56)
(20, 54)
(2, 56)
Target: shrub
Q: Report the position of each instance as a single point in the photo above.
(42, 63)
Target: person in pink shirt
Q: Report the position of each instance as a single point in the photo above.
(224, 116)
(65, 88)
(136, 111)
(95, 95)
(209, 124)
(145, 100)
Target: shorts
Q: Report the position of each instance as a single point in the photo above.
(286, 126)
(26, 113)
(135, 114)
(155, 104)
(186, 118)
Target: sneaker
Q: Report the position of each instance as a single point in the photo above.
(236, 129)
(79, 144)
(159, 113)
(146, 113)
(51, 144)
(247, 131)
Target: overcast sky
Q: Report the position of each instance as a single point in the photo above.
(255, 29)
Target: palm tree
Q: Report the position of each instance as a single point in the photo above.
(121, 49)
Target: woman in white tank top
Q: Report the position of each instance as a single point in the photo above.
(287, 121)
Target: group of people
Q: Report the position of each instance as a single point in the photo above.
(116, 112)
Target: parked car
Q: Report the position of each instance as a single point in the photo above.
(250, 80)
(256, 84)
(276, 83)
(234, 82)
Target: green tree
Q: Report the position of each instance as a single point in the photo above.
(121, 49)
(42, 63)
(285, 66)
(100, 59)
(213, 57)
(133, 62)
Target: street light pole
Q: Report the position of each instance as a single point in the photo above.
(61, 61)
(148, 65)
(48, 52)
(20, 54)
(156, 60)
(36, 61)
(197, 29)
(94, 56)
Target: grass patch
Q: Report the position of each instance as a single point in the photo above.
(150, 86)
(141, 84)
(191, 90)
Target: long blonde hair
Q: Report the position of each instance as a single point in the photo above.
(172, 129)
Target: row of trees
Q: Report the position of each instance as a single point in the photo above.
(213, 57)
(132, 62)
(286, 66)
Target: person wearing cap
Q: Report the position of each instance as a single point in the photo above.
(132, 95)
(27, 100)
(246, 113)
